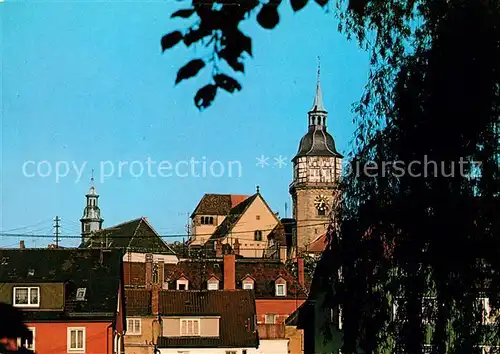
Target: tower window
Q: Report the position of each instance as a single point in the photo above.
(258, 235)
(321, 212)
(206, 220)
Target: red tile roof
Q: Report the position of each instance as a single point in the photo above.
(237, 199)
(265, 272)
(198, 272)
(318, 245)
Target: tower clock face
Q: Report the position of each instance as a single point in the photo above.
(321, 202)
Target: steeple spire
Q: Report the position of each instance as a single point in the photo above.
(318, 98)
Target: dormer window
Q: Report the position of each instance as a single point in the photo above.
(213, 284)
(247, 284)
(182, 284)
(280, 287)
(27, 297)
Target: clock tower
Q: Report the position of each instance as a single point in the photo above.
(316, 169)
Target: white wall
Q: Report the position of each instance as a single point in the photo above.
(141, 258)
(207, 350)
(273, 346)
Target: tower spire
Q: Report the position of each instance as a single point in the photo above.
(318, 98)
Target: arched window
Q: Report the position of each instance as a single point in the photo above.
(211, 220)
(203, 220)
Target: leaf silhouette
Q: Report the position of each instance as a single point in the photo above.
(171, 39)
(189, 70)
(205, 96)
(227, 83)
(321, 2)
(298, 4)
(183, 13)
(232, 58)
(195, 35)
(268, 16)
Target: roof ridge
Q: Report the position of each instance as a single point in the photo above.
(249, 202)
(120, 224)
(135, 231)
(146, 221)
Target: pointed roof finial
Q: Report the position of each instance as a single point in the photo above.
(319, 70)
(318, 98)
(258, 189)
(92, 186)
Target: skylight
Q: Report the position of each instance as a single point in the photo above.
(80, 294)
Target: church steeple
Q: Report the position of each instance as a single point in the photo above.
(91, 220)
(317, 114)
(318, 98)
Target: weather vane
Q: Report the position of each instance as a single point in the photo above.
(92, 178)
(319, 66)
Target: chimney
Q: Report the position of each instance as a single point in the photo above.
(161, 273)
(236, 247)
(229, 272)
(21, 244)
(300, 271)
(155, 300)
(218, 248)
(149, 270)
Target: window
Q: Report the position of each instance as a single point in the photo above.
(190, 327)
(206, 220)
(248, 285)
(76, 339)
(232, 351)
(258, 235)
(213, 285)
(321, 212)
(134, 326)
(80, 294)
(29, 341)
(280, 289)
(86, 228)
(244, 351)
(182, 284)
(270, 318)
(257, 217)
(27, 297)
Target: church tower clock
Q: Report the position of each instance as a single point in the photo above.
(316, 170)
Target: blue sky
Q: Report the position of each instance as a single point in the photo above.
(87, 83)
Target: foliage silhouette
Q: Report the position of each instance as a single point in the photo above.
(433, 94)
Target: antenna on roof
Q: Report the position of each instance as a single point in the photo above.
(286, 209)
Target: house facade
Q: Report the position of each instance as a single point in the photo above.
(72, 299)
(219, 321)
(277, 292)
(244, 227)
